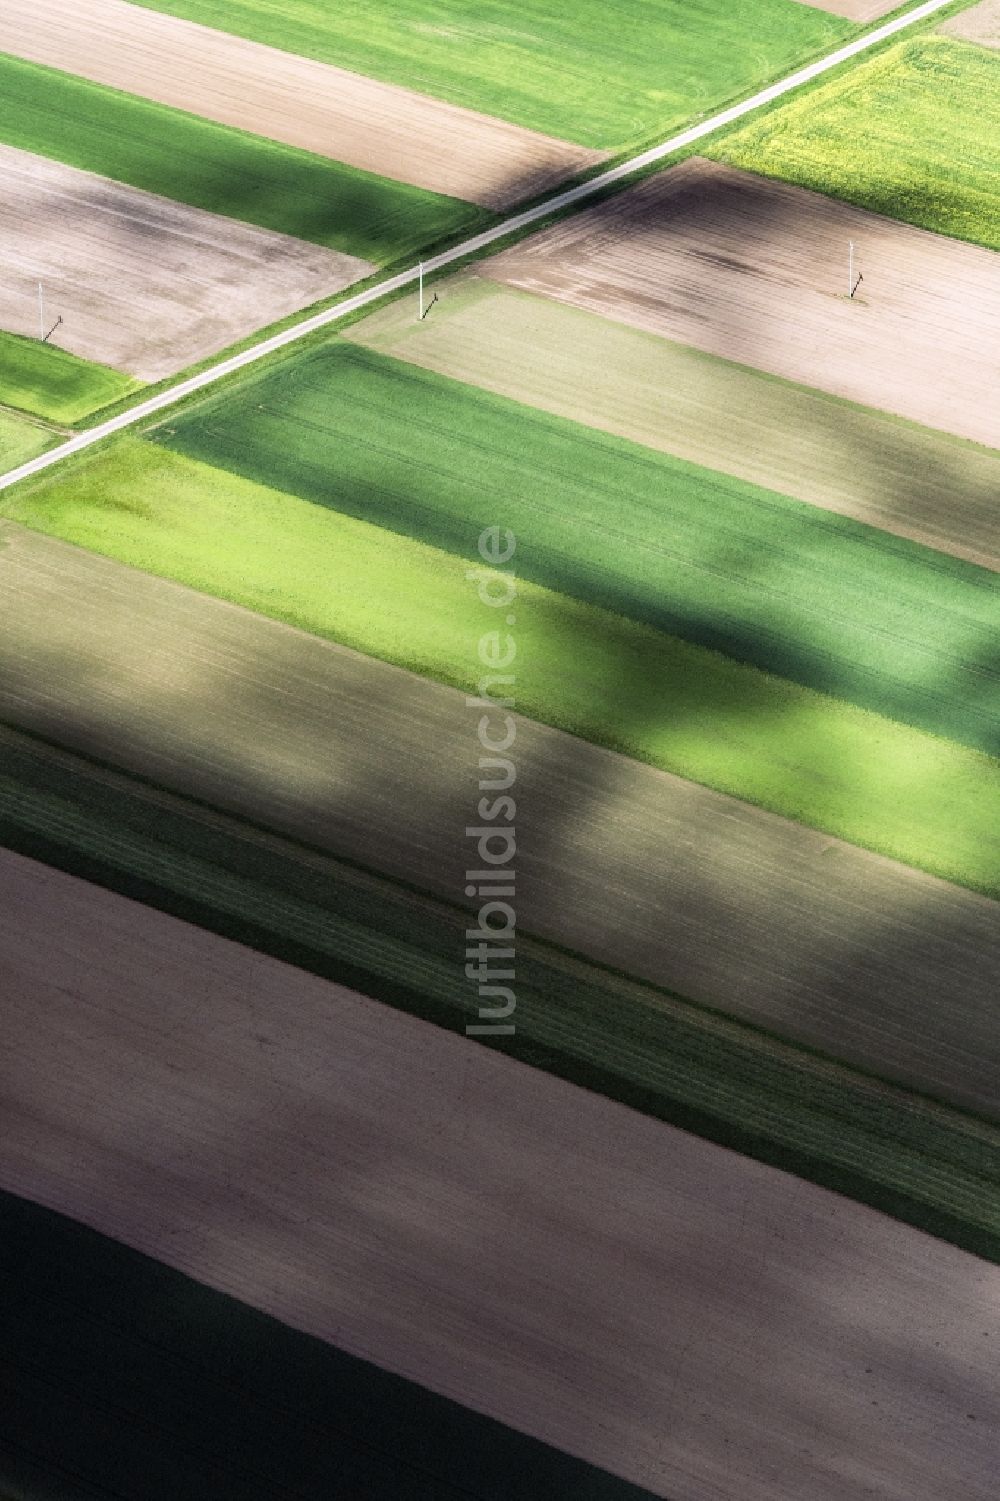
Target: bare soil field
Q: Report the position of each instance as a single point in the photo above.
(378, 127)
(695, 1322)
(142, 283)
(921, 484)
(979, 24)
(823, 943)
(855, 10)
(757, 271)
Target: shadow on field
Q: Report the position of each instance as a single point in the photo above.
(121, 1377)
(114, 1358)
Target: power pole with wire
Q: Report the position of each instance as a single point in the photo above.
(41, 313)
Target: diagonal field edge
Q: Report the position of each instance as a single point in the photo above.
(561, 200)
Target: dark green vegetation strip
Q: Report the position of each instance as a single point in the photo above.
(584, 71)
(928, 1165)
(121, 1378)
(46, 381)
(911, 134)
(222, 170)
(814, 597)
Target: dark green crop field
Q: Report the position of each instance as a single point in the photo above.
(817, 598)
(911, 134)
(219, 169)
(584, 71)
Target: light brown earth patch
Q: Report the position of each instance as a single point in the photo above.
(378, 127)
(722, 902)
(757, 271)
(979, 24)
(918, 483)
(854, 10)
(142, 283)
(694, 1321)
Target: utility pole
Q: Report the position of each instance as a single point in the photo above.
(850, 271)
(41, 313)
(421, 291)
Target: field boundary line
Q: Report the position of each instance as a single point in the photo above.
(563, 199)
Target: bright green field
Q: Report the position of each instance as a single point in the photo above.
(214, 167)
(925, 800)
(911, 134)
(21, 440)
(791, 588)
(45, 380)
(584, 71)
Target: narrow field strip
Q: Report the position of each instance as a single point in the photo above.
(911, 134)
(88, 240)
(376, 127)
(578, 74)
(908, 480)
(451, 1216)
(226, 172)
(929, 1166)
(650, 874)
(817, 599)
(758, 271)
(48, 382)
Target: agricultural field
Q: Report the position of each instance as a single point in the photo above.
(438, 1178)
(758, 271)
(909, 480)
(910, 134)
(575, 73)
(211, 281)
(980, 23)
(21, 440)
(227, 173)
(50, 383)
(241, 713)
(375, 127)
(820, 600)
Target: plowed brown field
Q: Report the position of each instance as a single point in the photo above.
(378, 127)
(821, 942)
(855, 10)
(757, 271)
(981, 23)
(142, 283)
(701, 1324)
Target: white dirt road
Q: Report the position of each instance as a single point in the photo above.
(707, 1327)
(142, 283)
(378, 127)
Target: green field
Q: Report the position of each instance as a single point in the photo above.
(21, 440)
(48, 382)
(222, 170)
(814, 597)
(928, 1165)
(574, 71)
(927, 801)
(911, 134)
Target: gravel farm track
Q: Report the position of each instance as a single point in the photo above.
(267, 723)
(375, 126)
(210, 282)
(756, 271)
(453, 1216)
(925, 485)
